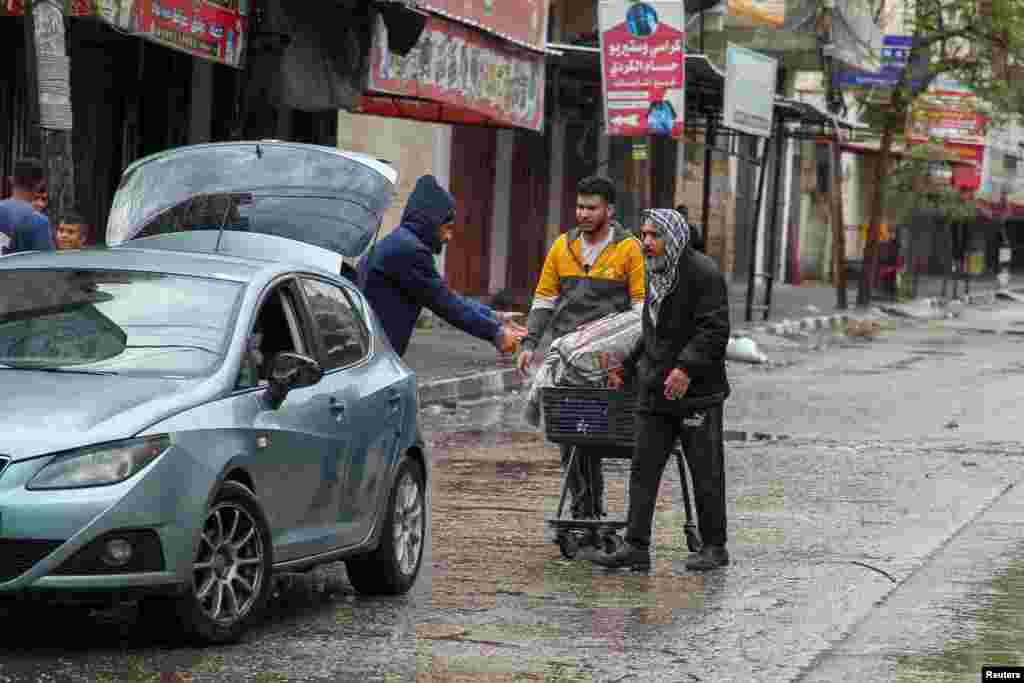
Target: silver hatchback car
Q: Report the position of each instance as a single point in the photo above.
(208, 401)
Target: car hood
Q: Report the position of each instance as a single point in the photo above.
(43, 412)
(316, 195)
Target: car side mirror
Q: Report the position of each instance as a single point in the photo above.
(291, 371)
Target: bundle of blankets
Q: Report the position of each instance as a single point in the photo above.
(583, 358)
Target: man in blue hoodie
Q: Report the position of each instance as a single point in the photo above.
(399, 276)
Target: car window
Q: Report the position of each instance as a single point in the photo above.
(341, 329)
(127, 322)
(275, 329)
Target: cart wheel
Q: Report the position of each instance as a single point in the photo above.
(568, 545)
(693, 542)
(612, 542)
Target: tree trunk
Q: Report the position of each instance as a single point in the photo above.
(838, 226)
(877, 207)
(49, 72)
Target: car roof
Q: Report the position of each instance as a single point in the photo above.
(196, 264)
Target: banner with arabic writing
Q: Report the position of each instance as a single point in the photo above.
(642, 64)
(212, 29)
(471, 73)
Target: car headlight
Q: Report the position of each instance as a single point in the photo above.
(103, 465)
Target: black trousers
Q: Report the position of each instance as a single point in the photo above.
(586, 481)
(700, 433)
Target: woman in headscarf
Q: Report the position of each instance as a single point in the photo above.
(678, 370)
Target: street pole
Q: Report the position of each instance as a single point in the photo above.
(638, 178)
(752, 268)
(705, 202)
(838, 226)
(780, 130)
(49, 77)
(1005, 254)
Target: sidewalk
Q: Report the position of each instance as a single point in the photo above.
(452, 365)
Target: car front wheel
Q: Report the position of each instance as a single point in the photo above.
(392, 568)
(231, 572)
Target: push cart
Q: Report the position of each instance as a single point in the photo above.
(584, 416)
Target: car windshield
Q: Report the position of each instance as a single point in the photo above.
(122, 322)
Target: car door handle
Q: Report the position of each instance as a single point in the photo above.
(395, 399)
(337, 408)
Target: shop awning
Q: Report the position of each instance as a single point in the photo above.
(457, 73)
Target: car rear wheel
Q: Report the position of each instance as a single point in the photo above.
(393, 567)
(231, 572)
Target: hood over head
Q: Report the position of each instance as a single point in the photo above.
(429, 207)
(673, 229)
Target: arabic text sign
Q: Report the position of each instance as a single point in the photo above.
(456, 65)
(643, 67)
(78, 8)
(948, 112)
(208, 29)
(749, 97)
(525, 21)
(211, 29)
(895, 55)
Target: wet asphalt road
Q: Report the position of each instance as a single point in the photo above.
(881, 541)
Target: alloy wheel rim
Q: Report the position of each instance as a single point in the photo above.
(408, 527)
(228, 572)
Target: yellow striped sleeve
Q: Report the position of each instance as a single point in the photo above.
(549, 287)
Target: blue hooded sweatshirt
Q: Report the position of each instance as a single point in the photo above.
(399, 277)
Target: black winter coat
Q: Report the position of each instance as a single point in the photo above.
(692, 333)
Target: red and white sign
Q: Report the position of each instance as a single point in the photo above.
(643, 66)
(212, 29)
(463, 69)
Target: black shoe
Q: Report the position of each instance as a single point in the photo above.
(709, 557)
(627, 555)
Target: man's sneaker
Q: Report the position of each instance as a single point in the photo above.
(709, 557)
(626, 555)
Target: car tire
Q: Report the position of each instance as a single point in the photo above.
(231, 573)
(392, 568)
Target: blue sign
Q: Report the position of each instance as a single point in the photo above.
(895, 54)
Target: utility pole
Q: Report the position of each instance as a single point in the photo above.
(838, 225)
(834, 99)
(638, 175)
(49, 78)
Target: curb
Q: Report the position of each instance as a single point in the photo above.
(494, 382)
(740, 435)
(477, 385)
(790, 326)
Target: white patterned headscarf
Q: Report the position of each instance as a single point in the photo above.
(672, 228)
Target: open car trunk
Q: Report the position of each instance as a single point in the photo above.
(245, 198)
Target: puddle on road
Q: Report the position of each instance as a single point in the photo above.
(998, 639)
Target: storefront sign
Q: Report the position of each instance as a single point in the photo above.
(947, 111)
(642, 62)
(204, 28)
(16, 8)
(463, 68)
(521, 21)
(211, 29)
(895, 56)
(749, 99)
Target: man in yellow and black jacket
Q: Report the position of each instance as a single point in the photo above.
(592, 271)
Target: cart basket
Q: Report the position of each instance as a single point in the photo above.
(583, 415)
